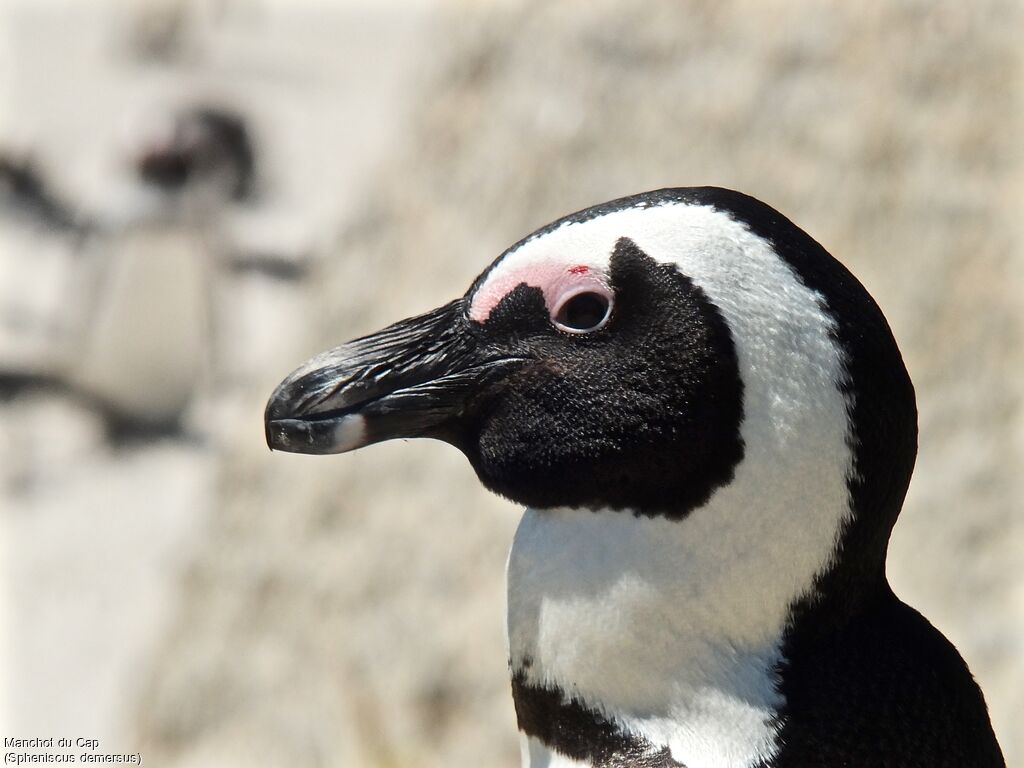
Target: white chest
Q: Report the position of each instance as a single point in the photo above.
(623, 614)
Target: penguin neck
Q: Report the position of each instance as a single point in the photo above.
(671, 630)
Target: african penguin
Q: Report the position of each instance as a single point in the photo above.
(713, 431)
(149, 346)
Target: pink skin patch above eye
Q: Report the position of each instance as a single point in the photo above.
(554, 280)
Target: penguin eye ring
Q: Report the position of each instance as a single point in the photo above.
(582, 311)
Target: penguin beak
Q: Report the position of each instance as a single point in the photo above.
(415, 378)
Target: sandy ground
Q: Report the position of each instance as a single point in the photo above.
(201, 600)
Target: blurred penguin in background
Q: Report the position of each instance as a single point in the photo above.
(116, 303)
(148, 343)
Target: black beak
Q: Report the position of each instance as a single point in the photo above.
(416, 378)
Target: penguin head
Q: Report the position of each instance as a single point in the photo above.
(628, 396)
(200, 147)
(643, 355)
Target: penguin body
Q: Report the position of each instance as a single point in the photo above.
(713, 431)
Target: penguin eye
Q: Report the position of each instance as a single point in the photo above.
(583, 312)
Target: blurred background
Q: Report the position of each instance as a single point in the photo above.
(195, 195)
